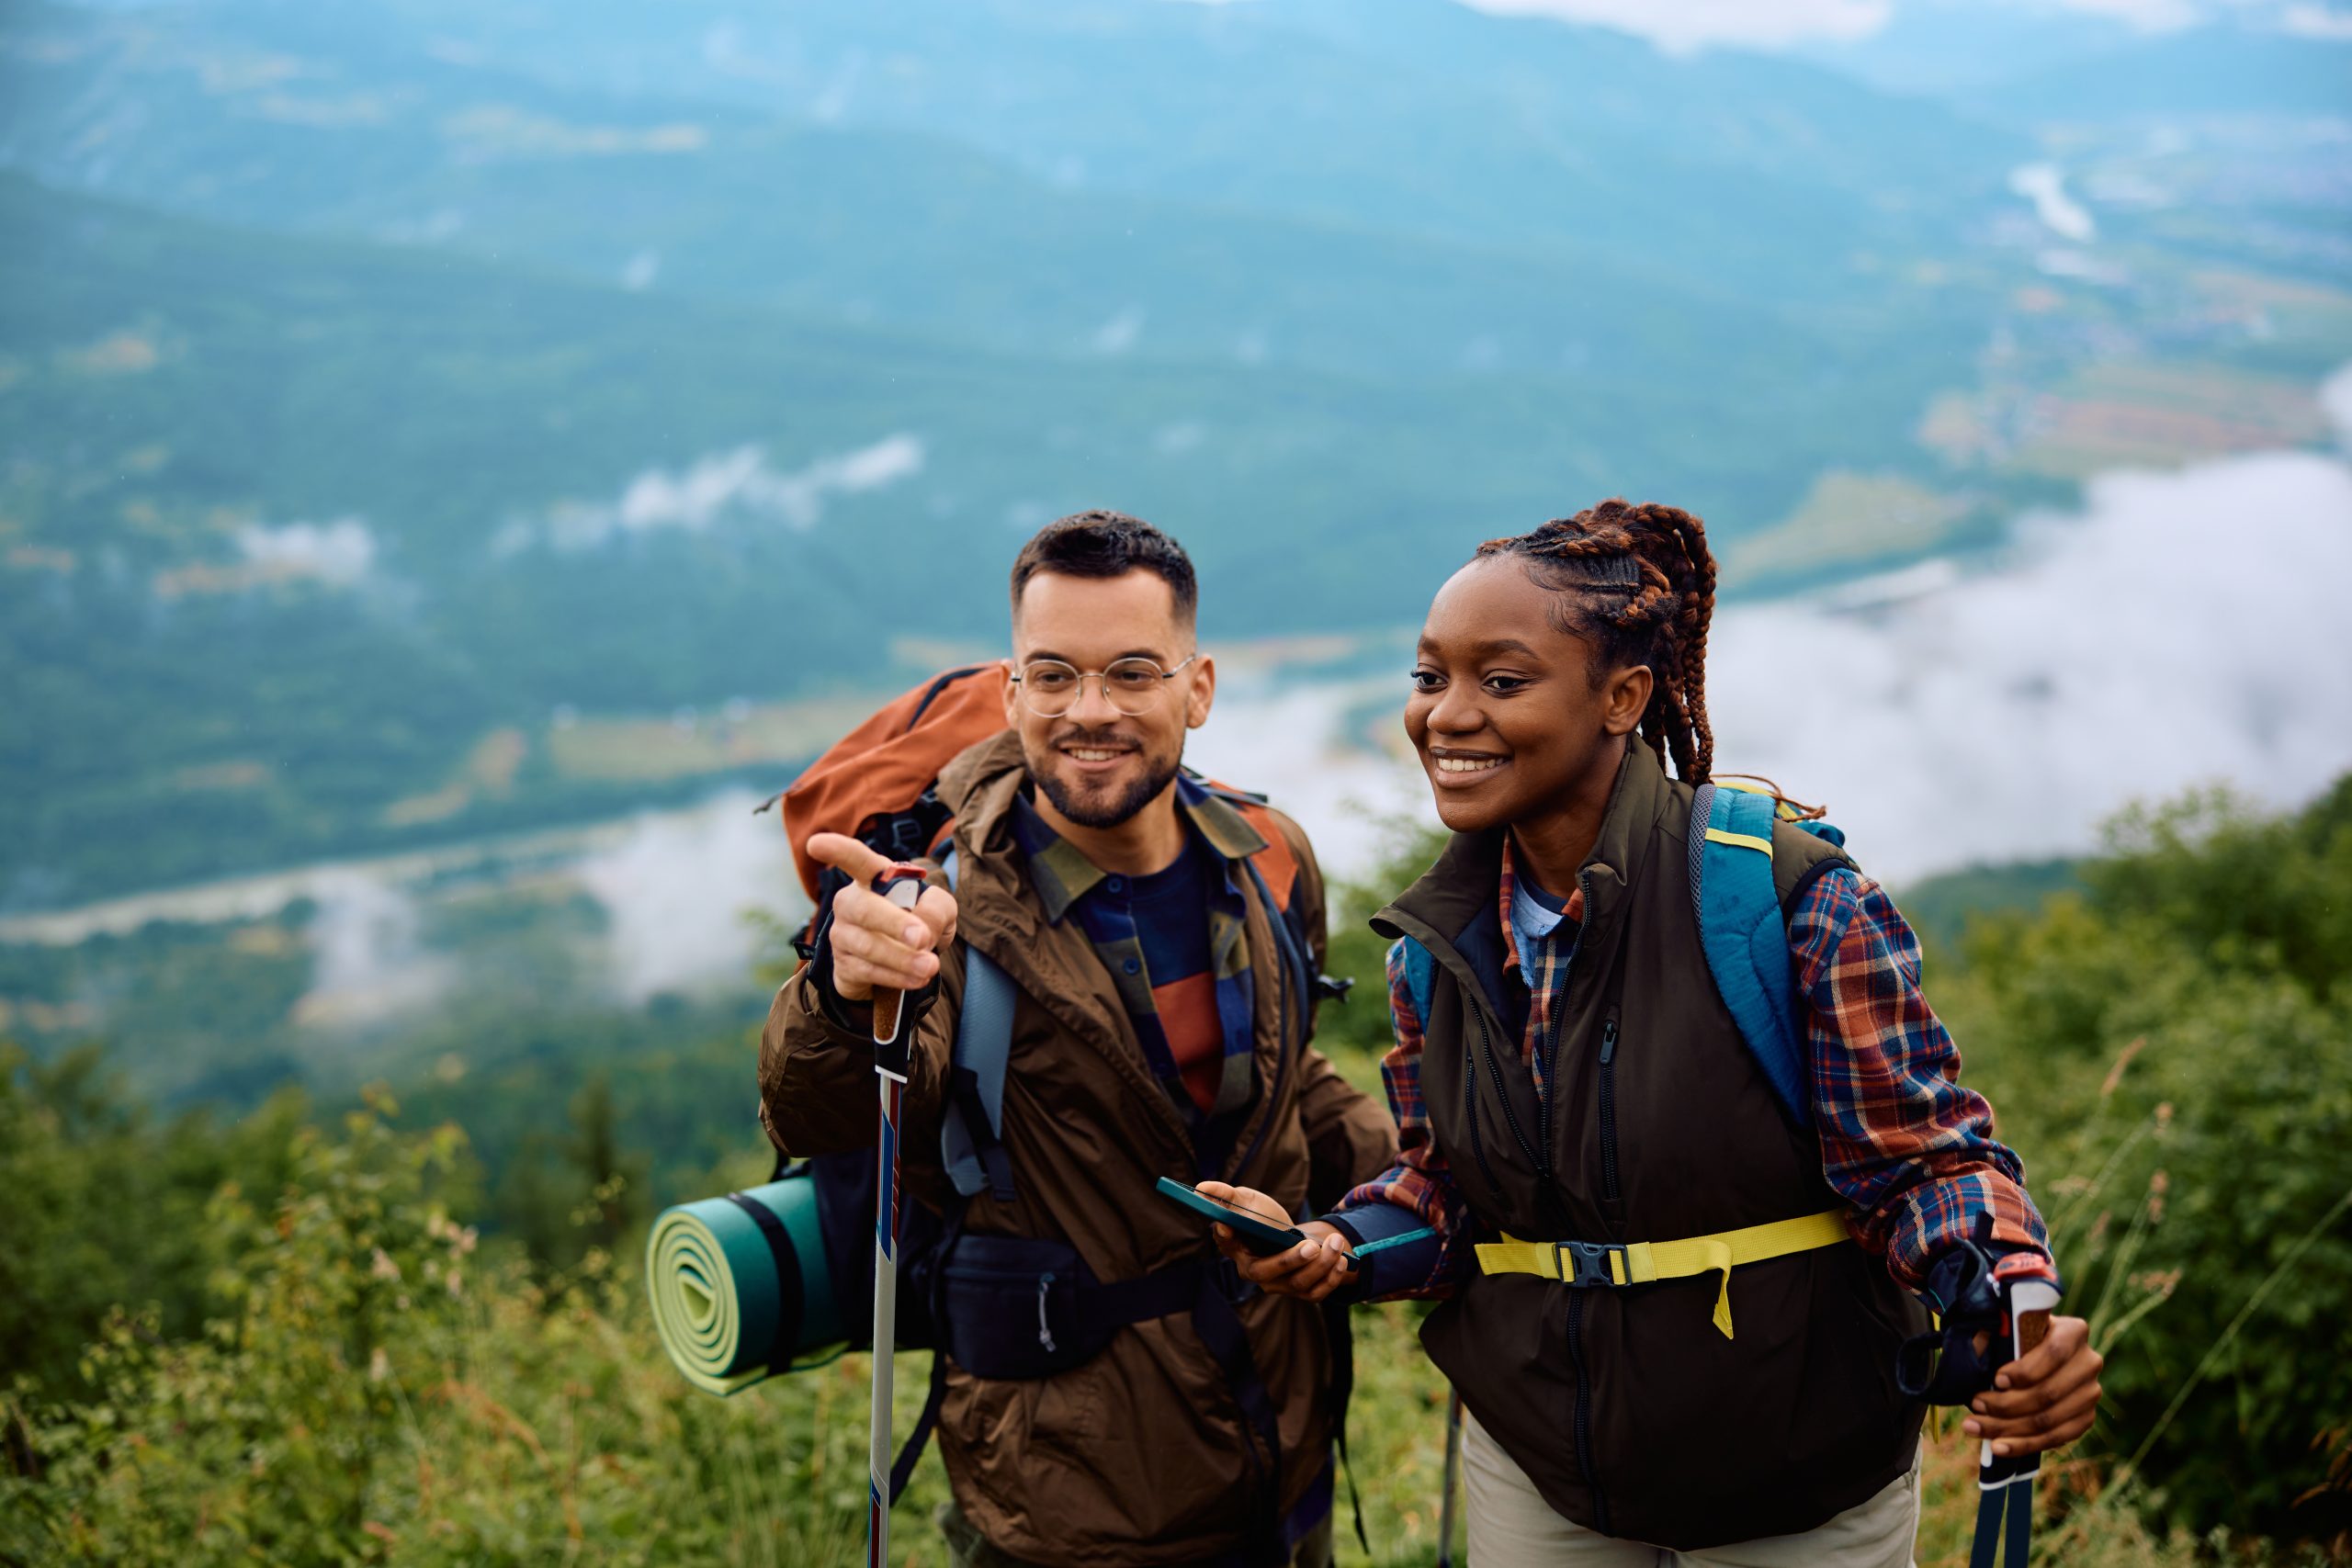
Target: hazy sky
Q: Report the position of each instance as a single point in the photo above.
(1685, 24)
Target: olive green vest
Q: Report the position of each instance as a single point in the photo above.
(1629, 1410)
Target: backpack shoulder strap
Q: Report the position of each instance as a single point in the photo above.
(1420, 977)
(971, 1132)
(1745, 936)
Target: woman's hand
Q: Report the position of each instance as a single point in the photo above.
(1311, 1270)
(2043, 1400)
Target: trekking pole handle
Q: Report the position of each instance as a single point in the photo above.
(2031, 1301)
(901, 884)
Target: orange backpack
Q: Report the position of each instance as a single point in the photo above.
(874, 784)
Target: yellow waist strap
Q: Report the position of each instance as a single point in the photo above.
(1640, 1262)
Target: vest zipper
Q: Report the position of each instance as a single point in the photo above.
(1535, 1154)
(1576, 1300)
(1548, 1059)
(1608, 1109)
(1470, 1097)
(1544, 1089)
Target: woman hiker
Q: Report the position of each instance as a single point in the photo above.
(1565, 1072)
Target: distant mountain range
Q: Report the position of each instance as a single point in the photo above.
(1505, 196)
(378, 381)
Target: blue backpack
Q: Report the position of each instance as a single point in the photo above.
(1741, 929)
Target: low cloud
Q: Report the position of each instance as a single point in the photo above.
(1297, 747)
(340, 552)
(2317, 22)
(2182, 629)
(716, 488)
(2042, 185)
(2147, 16)
(1119, 333)
(2335, 401)
(676, 889)
(368, 962)
(2178, 630)
(1695, 24)
(1777, 24)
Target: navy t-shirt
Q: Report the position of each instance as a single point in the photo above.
(1170, 910)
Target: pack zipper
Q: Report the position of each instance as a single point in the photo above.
(1045, 1328)
(1609, 1108)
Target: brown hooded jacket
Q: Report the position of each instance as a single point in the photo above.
(1140, 1455)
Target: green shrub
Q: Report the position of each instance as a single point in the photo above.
(103, 1207)
(2172, 1054)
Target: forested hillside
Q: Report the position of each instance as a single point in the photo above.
(298, 524)
(378, 391)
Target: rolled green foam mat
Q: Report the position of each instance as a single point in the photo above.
(739, 1296)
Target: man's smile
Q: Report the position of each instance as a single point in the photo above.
(1094, 755)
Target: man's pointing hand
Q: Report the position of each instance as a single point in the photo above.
(873, 942)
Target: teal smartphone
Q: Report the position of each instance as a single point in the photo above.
(1261, 1237)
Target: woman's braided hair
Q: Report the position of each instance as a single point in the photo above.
(1637, 583)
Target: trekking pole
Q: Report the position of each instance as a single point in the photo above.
(2004, 1483)
(1452, 1465)
(893, 1051)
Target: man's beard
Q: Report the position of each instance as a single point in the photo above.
(1101, 811)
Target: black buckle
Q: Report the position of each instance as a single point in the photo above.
(1585, 1264)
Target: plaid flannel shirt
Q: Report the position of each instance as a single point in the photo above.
(1901, 1141)
(1064, 879)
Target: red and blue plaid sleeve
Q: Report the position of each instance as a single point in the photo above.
(1418, 1189)
(1901, 1139)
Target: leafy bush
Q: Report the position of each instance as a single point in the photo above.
(373, 1387)
(104, 1206)
(2172, 1052)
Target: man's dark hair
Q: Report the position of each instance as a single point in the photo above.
(1107, 544)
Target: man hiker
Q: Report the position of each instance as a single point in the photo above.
(1111, 1394)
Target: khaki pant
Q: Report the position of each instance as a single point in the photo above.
(967, 1547)
(1512, 1526)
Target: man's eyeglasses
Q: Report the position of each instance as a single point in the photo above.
(1051, 688)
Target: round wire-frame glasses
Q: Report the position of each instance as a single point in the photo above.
(1051, 688)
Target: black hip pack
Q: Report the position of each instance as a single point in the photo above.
(1026, 1308)
(1019, 1307)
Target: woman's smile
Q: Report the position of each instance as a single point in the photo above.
(1460, 769)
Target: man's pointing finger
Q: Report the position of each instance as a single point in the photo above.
(857, 862)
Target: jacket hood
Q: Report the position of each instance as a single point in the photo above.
(978, 785)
